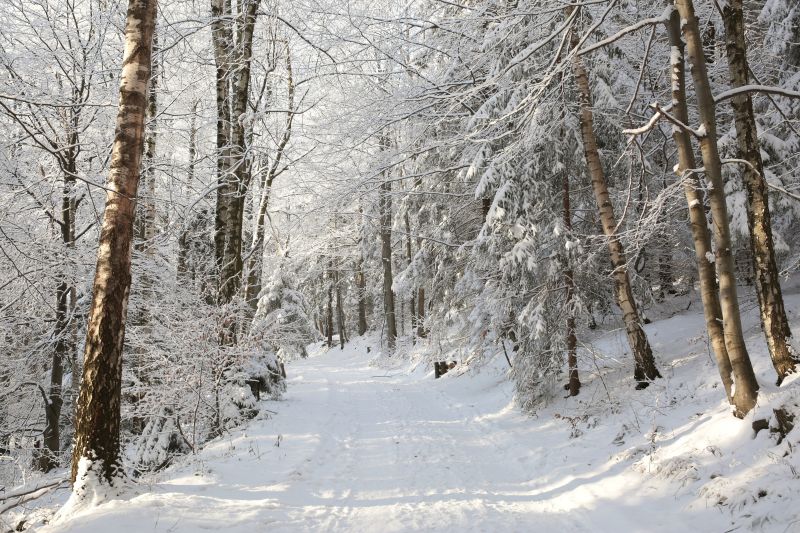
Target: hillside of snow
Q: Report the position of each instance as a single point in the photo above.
(358, 443)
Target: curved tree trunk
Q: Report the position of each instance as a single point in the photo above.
(645, 366)
(98, 417)
(768, 285)
(746, 390)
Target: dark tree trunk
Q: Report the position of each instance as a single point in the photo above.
(52, 432)
(409, 258)
(361, 287)
(63, 334)
(339, 311)
(421, 333)
(767, 284)
(329, 315)
(232, 57)
(386, 259)
(574, 385)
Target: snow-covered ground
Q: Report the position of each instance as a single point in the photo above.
(355, 446)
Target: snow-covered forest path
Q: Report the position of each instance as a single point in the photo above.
(356, 448)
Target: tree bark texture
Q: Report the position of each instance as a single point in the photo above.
(767, 282)
(695, 198)
(421, 333)
(329, 314)
(232, 59)
(409, 258)
(361, 287)
(98, 416)
(386, 259)
(145, 228)
(574, 384)
(645, 366)
(340, 322)
(746, 389)
(64, 342)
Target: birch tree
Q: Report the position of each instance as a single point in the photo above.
(767, 283)
(96, 454)
(645, 368)
(695, 198)
(232, 33)
(745, 395)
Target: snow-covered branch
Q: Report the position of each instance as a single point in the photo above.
(731, 93)
(662, 19)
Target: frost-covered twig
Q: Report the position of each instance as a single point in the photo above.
(745, 162)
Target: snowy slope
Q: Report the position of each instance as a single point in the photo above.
(355, 447)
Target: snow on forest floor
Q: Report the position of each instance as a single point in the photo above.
(355, 446)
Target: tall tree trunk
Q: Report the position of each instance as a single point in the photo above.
(64, 346)
(339, 310)
(574, 385)
(746, 390)
(48, 458)
(361, 287)
(386, 259)
(183, 240)
(145, 227)
(665, 277)
(409, 258)
(232, 58)
(98, 418)
(226, 253)
(421, 333)
(768, 286)
(420, 313)
(144, 232)
(645, 368)
(192, 144)
(695, 199)
(329, 315)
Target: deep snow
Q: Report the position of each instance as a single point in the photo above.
(355, 446)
